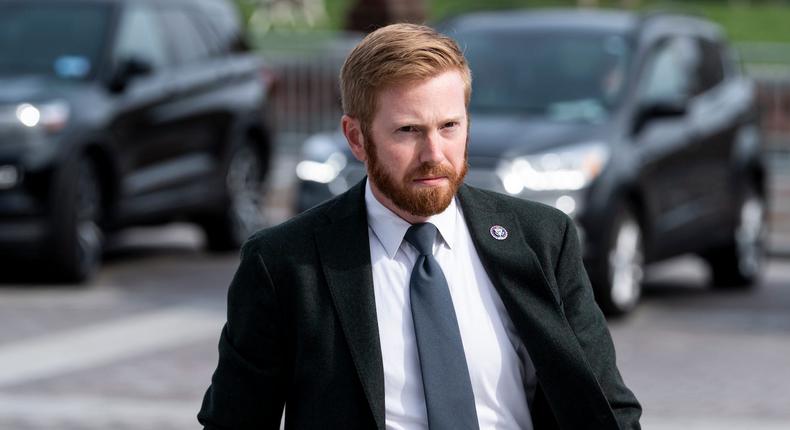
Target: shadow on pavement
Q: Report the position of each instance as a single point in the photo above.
(131, 246)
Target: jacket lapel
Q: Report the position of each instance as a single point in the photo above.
(511, 264)
(345, 257)
(527, 293)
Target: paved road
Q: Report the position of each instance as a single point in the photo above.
(702, 359)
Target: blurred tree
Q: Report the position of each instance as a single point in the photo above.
(629, 4)
(264, 15)
(743, 20)
(246, 8)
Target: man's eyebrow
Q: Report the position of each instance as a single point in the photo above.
(417, 122)
(458, 118)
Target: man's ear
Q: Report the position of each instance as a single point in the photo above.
(352, 129)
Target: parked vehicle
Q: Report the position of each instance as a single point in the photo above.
(643, 128)
(119, 112)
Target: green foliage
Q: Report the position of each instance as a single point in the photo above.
(337, 9)
(443, 8)
(743, 20)
(752, 21)
(246, 8)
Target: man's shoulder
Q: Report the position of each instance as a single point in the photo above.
(292, 232)
(299, 231)
(492, 200)
(541, 225)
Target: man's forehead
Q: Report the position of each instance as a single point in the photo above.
(407, 83)
(416, 99)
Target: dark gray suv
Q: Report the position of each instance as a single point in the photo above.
(643, 128)
(118, 112)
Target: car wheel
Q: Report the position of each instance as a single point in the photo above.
(77, 233)
(738, 263)
(618, 280)
(244, 191)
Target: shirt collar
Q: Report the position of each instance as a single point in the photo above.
(389, 228)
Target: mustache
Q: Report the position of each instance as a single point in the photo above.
(432, 170)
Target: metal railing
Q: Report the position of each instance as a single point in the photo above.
(306, 98)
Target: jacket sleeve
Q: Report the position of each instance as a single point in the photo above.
(248, 387)
(591, 331)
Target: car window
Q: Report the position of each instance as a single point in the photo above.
(223, 20)
(62, 39)
(712, 66)
(140, 38)
(564, 75)
(208, 33)
(188, 42)
(671, 72)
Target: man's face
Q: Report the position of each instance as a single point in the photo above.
(415, 147)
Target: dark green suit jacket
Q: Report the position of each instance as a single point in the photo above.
(302, 329)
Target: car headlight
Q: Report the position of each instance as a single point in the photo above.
(564, 169)
(50, 116)
(322, 161)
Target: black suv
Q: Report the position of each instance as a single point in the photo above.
(118, 112)
(643, 128)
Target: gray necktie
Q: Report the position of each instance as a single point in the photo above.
(449, 399)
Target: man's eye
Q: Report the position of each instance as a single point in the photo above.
(451, 124)
(408, 129)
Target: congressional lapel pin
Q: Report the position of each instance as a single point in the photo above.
(498, 232)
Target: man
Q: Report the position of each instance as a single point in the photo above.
(413, 301)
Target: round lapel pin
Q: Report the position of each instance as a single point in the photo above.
(498, 232)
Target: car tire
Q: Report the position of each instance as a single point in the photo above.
(737, 264)
(617, 278)
(77, 235)
(243, 213)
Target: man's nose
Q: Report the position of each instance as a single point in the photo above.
(431, 147)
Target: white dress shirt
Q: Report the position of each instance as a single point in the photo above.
(500, 370)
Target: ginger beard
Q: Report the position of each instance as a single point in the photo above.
(422, 201)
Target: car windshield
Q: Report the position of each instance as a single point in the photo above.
(567, 76)
(61, 39)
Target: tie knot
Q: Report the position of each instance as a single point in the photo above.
(421, 236)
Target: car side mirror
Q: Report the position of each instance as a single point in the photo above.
(127, 70)
(659, 109)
